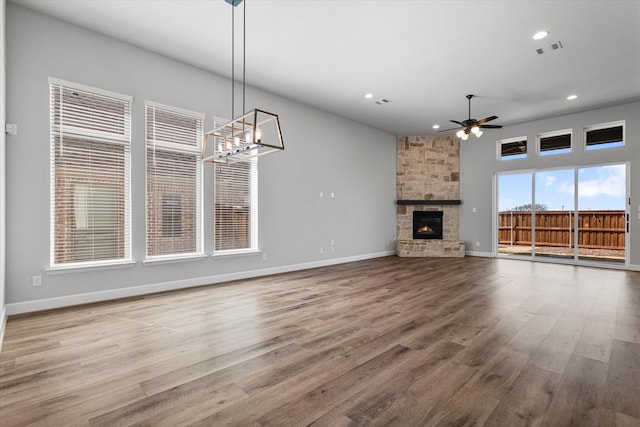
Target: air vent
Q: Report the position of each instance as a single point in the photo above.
(383, 101)
(553, 46)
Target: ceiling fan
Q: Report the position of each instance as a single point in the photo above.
(472, 125)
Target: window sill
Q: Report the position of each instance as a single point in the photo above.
(172, 259)
(234, 253)
(65, 269)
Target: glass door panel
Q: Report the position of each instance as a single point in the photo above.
(514, 214)
(554, 213)
(602, 215)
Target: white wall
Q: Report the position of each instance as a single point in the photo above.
(2, 169)
(479, 164)
(323, 152)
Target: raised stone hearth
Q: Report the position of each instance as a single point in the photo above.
(428, 169)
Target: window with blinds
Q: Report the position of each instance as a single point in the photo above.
(174, 176)
(90, 175)
(558, 142)
(609, 135)
(512, 148)
(236, 202)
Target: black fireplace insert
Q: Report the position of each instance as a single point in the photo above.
(427, 224)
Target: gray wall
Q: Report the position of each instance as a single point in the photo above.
(323, 152)
(479, 164)
(2, 166)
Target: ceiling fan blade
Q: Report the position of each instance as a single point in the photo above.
(487, 119)
(447, 130)
(491, 126)
(457, 122)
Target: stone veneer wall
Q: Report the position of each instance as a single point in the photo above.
(428, 168)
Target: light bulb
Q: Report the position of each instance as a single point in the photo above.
(460, 133)
(465, 136)
(258, 135)
(236, 141)
(220, 146)
(248, 137)
(479, 133)
(229, 146)
(475, 129)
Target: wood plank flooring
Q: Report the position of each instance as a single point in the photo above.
(390, 341)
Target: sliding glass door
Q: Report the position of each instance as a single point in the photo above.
(572, 214)
(554, 213)
(514, 213)
(602, 213)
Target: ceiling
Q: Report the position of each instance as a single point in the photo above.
(422, 56)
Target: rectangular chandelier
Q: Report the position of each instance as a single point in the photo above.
(253, 134)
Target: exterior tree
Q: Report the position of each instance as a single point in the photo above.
(527, 207)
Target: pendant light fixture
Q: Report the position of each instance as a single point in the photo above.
(254, 133)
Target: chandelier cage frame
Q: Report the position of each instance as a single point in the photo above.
(254, 133)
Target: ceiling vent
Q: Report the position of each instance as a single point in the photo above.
(553, 46)
(383, 101)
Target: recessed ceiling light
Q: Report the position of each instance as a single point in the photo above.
(540, 35)
(571, 97)
(436, 126)
(369, 96)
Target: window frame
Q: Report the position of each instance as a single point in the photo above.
(196, 150)
(502, 142)
(88, 136)
(600, 126)
(561, 151)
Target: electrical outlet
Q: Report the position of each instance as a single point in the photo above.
(321, 194)
(264, 256)
(477, 243)
(36, 280)
(321, 251)
(11, 128)
(333, 242)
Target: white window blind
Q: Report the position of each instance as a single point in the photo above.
(236, 206)
(174, 176)
(90, 175)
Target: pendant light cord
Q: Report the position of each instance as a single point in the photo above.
(244, 52)
(233, 61)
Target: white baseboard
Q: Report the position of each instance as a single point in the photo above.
(70, 300)
(481, 254)
(3, 324)
(634, 267)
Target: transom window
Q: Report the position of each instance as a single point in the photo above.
(551, 143)
(608, 135)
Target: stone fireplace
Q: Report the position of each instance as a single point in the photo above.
(428, 188)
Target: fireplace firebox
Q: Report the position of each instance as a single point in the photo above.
(427, 225)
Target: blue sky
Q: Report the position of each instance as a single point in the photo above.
(600, 187)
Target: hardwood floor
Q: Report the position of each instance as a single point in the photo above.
(390, 341)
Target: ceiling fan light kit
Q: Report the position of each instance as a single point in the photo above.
(472, 125)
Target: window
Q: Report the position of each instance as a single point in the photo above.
(512, 148)
(609, 135)
(236, 191)
(90, 175)
(551, 143)
(174, 176)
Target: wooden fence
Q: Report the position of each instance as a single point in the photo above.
(596, 229)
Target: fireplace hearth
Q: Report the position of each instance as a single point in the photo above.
(427, 224)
